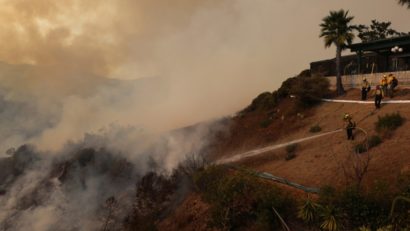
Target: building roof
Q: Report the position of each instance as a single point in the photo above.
(383, 45)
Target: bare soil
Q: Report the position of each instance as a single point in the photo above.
(318, 162)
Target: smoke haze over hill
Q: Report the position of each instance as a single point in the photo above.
(117, 77)
(203, 59)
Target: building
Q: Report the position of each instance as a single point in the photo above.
(386, 55)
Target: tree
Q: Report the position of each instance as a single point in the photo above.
(405, 2)
(335, 29)
(376, 31)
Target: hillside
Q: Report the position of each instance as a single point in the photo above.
(178, 181)
(319, 162)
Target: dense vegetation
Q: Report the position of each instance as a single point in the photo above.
(389, 122)
(376, 31)
(241, 201)
(306, 90)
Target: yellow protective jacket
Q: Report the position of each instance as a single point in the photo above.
(349, 124)
(365, 84)
(383, 81)
(390, 79)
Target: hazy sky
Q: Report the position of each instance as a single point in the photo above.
(133, 39)
(206, 58)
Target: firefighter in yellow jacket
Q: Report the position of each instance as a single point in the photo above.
(365, 88)
(384, 84)
(392, 82)
(349, 125)
(378, 97)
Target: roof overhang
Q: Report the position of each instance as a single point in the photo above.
(383, 45)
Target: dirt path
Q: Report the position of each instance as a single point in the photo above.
(363, 102)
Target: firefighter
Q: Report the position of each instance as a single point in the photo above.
(378, 95)
(365, 88)
(384, 84)
(392, 82)
(349, 125)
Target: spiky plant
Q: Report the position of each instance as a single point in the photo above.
(330, 216)
(385, 228)
(308, 211)
(364, 228)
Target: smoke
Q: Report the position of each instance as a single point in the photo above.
(81, 65)
(100, 88)
(68, 190)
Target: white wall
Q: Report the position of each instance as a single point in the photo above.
(354, 81)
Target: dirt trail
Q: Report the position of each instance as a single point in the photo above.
(363, 102)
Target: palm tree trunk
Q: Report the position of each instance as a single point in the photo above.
(339, 85)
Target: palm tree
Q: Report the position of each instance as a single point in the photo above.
(336, 30)
(405, 2)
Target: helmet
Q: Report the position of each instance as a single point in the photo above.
(364, 79)
(390, 74)
(346, 116)
(384, 76)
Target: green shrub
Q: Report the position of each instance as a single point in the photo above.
(362, 209)
(291, 148)
(374, 141)
(354, 209)
(207, 180)
(264, 101)
(315, 128)
(285, 89)
(327, 195)
(361, 148)
(265, 123)
(307, 92)
(389, 122)
(310, 91)
(359, 209)
(238, 200)
(290, 155)
(290, 151)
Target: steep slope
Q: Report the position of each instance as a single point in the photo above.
(319, 161)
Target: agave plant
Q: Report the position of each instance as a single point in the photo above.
(330, 216)
(308, 211)
(385, 228)
(364, 228)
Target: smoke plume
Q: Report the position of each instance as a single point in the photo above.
(77, 66)
(94, 94)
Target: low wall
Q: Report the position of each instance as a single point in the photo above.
(355, 81)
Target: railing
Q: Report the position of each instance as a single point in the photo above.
(355, 81)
